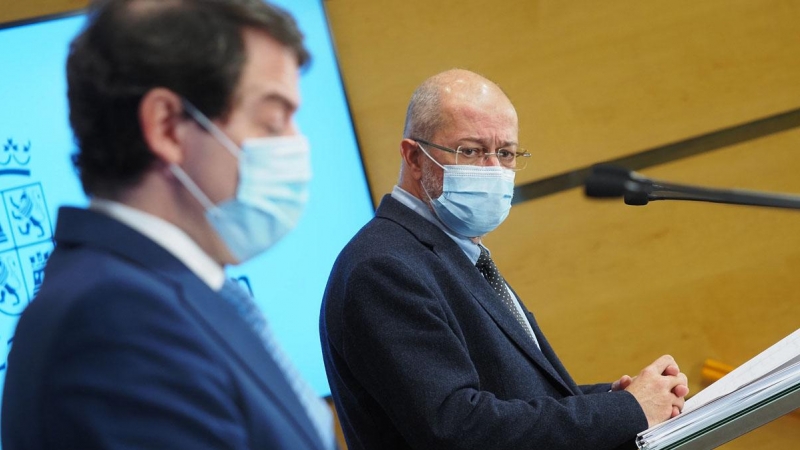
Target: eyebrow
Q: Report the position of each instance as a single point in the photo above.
(485, 144)
(270, 97)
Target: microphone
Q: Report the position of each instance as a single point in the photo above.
(611, 181)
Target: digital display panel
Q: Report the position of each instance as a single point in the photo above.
(37, 177)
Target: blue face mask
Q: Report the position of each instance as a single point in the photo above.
(475, 199)
(272, 192)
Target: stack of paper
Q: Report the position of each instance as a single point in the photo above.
(772, 375)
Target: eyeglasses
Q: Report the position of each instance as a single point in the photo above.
(510, 159)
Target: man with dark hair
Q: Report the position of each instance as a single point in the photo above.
(183, 111)
(425, 345)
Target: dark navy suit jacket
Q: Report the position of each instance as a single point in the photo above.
(125, 348)
(421, 353)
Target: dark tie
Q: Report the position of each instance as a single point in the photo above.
(316, 409)
(492, 275)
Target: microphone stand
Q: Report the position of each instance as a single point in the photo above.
(606, 181)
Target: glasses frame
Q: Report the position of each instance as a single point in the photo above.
(521, 153)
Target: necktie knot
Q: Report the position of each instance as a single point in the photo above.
(241, 299)
(488, 268)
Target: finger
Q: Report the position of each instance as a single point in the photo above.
(674, 381)
(677, 406)
(671, 370)
(680, 390)
(621, 384)
(661, 364)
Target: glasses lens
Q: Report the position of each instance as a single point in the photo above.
(469, 156)
(507, 158)
(478, 156)
(521, 161)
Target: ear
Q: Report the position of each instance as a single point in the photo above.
(411, 154)
(163, 124)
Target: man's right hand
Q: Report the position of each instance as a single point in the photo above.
(660, 389)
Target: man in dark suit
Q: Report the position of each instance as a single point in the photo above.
(183, 111)
(425, 345)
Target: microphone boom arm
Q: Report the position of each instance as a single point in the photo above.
(613, 181)
(664, 191)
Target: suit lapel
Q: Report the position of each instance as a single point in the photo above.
(84, 227)
(548, 352)
(488, 299)
(452, 255)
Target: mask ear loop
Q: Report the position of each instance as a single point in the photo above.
(212, 129)
(429, 156)
(223, 139)
(430, 199)
(194, 189)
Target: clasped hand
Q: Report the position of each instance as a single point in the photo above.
(660, 388)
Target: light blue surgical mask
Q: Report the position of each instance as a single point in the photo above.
(475, 199)
(272, 192)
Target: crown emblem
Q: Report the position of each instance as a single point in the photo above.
(15, 158)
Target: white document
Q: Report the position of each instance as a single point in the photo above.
(771, 373)
(784, 352)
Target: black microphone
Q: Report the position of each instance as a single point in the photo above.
(610, 181)
(607, 181)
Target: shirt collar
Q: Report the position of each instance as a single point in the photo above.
(168, 236)
(471, 249)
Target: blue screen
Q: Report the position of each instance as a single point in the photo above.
(36, 177)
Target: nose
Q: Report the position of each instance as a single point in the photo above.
(490, 159)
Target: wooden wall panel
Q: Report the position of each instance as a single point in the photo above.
(591, 80)
(15, 10)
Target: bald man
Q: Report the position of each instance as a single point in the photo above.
(425, 345)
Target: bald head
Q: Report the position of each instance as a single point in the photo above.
(434, 103)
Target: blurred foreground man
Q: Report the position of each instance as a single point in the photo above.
(425, 345)
(183, 111)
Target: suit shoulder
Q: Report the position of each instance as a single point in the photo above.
(380, 236)
(87, 288)
(74, 273)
